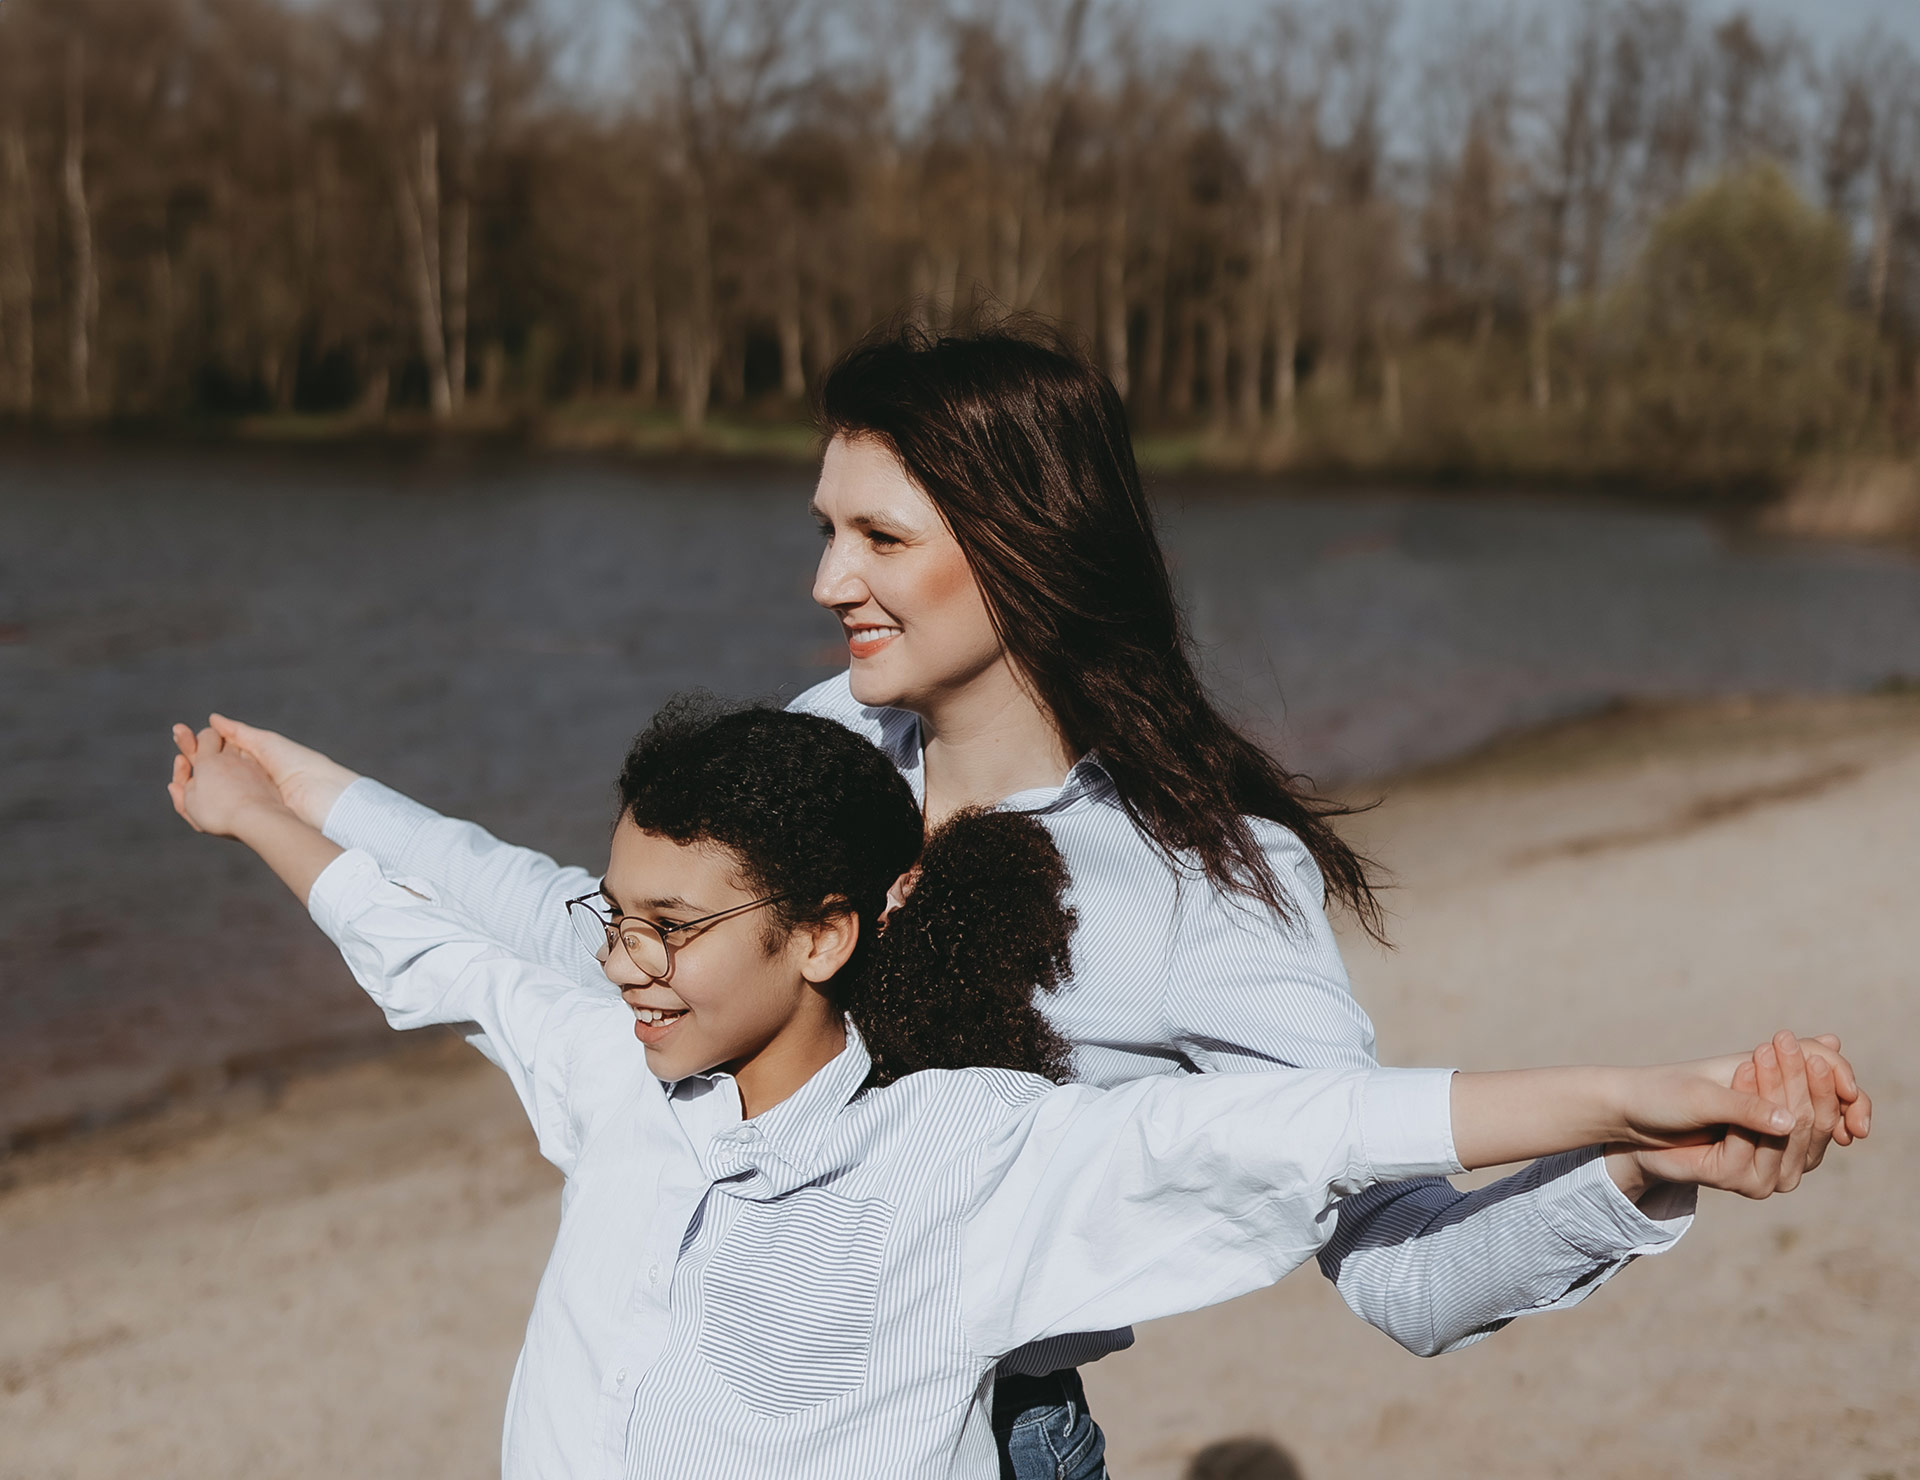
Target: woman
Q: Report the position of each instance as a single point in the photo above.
(1013, 640)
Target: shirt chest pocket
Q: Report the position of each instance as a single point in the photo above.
(791, 1297)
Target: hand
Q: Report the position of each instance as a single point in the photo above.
(1809, 1077)
(215, 788)
(308, 782)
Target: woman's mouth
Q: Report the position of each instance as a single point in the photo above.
(864, 642)
(652, 1024)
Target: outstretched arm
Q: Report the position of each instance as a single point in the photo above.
(1433, 1267)
(218, 790)
(567, 1049)
(1097, 1210)
(519, 894)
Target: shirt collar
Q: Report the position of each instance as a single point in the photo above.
(782, 1147)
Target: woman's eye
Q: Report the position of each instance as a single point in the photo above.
(880, 537)
(825, 532)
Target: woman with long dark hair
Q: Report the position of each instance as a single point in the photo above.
(1014, 641)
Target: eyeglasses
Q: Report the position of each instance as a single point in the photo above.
(647, 945)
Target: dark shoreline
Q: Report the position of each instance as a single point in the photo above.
(734, 443)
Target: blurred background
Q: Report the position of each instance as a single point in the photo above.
(1530, 393)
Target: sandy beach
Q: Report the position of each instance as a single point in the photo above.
(332, 1280)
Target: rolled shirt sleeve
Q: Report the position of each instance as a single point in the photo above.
(1094, 1209)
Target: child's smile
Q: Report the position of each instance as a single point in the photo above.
(652, 1022)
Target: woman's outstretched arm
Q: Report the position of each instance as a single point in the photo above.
(1433, 1267)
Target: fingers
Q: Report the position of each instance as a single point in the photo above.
(1799, 1100)
(183, 738)
(177, 788)
(1857, 1108)
(1858, 1119)
(1826, 1109)
(1771, 1151)
(1764, 1113)
(241, 737)
(208, 741)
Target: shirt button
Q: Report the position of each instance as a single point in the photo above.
(653, 1274)
(620, 1377)
(748, 1135)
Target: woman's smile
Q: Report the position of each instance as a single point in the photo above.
(865, 639)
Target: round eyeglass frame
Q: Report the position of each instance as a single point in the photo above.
(598, 932)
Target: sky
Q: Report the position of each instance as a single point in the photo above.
(599, 32)
(1825, 21)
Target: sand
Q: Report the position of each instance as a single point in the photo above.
(335, 1282)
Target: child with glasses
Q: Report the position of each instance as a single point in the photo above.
(845, 1180)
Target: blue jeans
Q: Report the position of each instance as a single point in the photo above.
(1045, 1431)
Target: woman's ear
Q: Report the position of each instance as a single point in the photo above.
(828, 945)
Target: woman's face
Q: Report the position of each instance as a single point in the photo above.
(915, 621)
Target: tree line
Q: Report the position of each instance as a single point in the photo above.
(1621, 233)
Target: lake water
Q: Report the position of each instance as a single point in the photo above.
(486, 631)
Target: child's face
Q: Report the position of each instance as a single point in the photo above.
(728, 998)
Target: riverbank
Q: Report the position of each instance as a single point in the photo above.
(1865, 497)
(335, 1282)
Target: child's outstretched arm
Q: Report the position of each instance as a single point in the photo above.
(1519, 1114)
(1096, 1210)
(218, 790)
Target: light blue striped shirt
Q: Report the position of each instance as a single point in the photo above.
(1170, 977)
(825, 1290)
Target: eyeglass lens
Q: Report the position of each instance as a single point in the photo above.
(599, 935)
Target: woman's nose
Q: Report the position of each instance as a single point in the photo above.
(837, 582)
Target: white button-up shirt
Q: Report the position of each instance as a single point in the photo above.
(1170, 977)
(825, 1290)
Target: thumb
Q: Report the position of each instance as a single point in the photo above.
(1744, 1111)
(232, 730)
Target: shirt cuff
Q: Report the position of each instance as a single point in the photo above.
(1406, 1124)
(342, 889)
(376, 818)
(1580, 1202)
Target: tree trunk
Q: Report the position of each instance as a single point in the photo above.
(1539, 367)
(1180, 361)
(84, 303)
(1284, 306)
(1113, 303)
(693, 335)
(646, 342)
(1217, 403)
(1150, 390)
(416, 189)
(793, 368)
(459, 236)
(1879, 257)
(16, 269)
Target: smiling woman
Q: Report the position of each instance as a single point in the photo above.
(920, 632)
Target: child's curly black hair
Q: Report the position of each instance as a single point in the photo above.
(813, 811)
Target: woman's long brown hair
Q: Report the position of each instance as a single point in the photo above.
(1023, 446)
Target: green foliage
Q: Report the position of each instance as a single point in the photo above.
(1730, 350)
